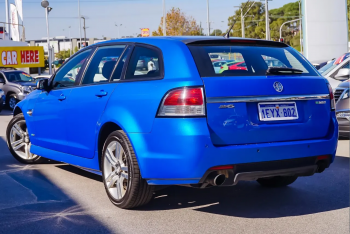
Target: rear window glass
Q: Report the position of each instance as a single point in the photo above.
(222, 60)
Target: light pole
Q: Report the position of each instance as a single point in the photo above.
(84, 32)
(119, 26)
(70, 41)
(242, 18)
(45, 4)
(79, 21)
(223, 27)
(267, 20)
(291, 21)
(164, 16)
(7, 13)
(208, 23)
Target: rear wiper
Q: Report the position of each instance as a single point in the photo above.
(282, 71)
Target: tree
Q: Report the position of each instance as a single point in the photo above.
(216, 32)
(178, 24)
(255, 27)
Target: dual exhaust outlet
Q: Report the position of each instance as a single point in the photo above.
(216, 179)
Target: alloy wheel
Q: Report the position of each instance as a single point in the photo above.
(12, 102)
(116, 170)
(20, 142)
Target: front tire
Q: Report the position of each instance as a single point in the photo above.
(277, 181)
(121, 174)
(12, 101)
(18, 141)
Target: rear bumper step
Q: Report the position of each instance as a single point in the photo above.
(253, 171)
(251, 176)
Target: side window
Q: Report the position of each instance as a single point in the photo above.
(144, 63)
(2, 78)
(273, 62)
(66, 76)
(102, 64)
(347, 65)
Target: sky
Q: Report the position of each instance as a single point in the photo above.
(102, 15)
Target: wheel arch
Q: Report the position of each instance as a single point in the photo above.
(106, 129)
(9, 93)
(17, 111)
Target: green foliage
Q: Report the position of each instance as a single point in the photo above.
(63, 54)
(216, 32)
(255, 26)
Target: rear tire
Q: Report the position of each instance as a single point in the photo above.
(277, 181)
(121, 173)
(18, 141)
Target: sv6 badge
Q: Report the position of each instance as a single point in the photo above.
(226, 106)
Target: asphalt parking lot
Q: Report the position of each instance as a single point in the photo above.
(58, 198)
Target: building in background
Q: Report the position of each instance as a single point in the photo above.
(325, 29)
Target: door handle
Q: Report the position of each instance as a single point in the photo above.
(102, 93)
(30, 112)
(62, 97)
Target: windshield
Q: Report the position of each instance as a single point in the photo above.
(248, 60)
(18, 77)
(330, 66)
(327, 68)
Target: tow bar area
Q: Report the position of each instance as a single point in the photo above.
(229, 175)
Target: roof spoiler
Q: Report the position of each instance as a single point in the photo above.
(232, 41)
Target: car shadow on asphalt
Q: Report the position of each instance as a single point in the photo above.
(6, 112)
(31, 203)
(80, 172)
(308, 195)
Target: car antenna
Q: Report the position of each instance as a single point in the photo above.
(227, 35)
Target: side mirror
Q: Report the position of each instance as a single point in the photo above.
(343, 74)
(2, 80)
(42, 84)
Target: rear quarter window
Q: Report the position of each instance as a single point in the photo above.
(247, 60)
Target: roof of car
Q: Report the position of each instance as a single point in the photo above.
(193, 39)
(10, 70)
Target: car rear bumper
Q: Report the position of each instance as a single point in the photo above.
(180, 151)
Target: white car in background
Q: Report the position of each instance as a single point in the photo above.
(217, 65)
(338, 71)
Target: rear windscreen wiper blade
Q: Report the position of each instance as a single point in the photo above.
(282, 71)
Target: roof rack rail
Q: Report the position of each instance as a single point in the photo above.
(7, 68)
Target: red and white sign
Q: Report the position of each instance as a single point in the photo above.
(145, 32)
(19, 57)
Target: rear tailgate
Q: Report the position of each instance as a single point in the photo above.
(246, 107)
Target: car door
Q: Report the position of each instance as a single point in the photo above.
(87, 102)
(47, 117)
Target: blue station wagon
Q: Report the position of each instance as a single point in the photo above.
(178, 121)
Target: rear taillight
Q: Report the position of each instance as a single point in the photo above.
(183, 102)
(331, 96)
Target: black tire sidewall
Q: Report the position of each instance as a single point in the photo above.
(8, 100)
(117, 136)
(14, 120)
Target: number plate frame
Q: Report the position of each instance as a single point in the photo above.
(292, 104)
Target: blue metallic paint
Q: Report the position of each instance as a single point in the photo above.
(180, 150)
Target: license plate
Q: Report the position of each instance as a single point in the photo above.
(275, 111)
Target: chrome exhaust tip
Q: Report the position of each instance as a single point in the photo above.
(216, 179)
